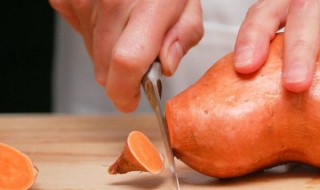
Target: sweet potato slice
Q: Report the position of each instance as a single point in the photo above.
(16, 169)
(139, 154)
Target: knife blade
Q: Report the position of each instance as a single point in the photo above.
(152, 85)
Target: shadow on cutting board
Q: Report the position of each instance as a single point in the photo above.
(291, 170)
(142, 182)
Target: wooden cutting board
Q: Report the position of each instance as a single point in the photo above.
(74, 152)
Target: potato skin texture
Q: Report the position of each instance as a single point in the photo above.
(228, 124)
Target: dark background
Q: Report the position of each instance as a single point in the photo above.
(26, 52)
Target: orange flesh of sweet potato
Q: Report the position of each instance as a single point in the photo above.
(139, 154)
(228, 124)
(16, 169)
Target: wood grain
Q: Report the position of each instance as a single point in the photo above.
(73, 153)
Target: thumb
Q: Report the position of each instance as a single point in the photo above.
(186, 33)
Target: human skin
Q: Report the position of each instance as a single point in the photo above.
(123, 37)
(301, 19)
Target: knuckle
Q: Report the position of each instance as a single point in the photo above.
(254, 26)
(301, 3)
(262, 9)
(79, 4)
(125, 62)
(255, 8)
(57, 4)
(258, 7)
(196, 29)
(305, 5)
(299, 43)
(302, 45)
(107, 4)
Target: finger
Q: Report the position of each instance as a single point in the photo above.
(301, 44)
(136, 49)
(186, 33)
(84, 11)
(260, 25)
(64, 8)
(110, 21)
(78, 13)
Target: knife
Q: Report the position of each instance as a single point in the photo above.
(152, 86)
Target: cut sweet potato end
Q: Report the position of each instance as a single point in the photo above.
(145, 152)
(139, 154)
(16, 169)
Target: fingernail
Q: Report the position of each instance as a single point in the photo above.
(244, 56)
(296, 73)
(175, 54)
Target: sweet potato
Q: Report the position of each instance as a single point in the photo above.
(228, 124)
(16, 169)
(139, 154)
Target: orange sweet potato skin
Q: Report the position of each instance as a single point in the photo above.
(228, 124)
